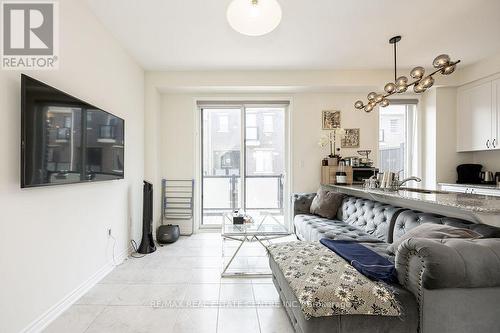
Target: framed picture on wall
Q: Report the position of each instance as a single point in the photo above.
(331, 120)
(351, 138)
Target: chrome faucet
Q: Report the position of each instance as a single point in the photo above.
(402, 182)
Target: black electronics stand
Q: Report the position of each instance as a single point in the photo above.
(147, 242)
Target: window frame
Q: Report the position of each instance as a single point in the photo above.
(410, 166)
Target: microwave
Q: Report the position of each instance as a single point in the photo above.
(359, 174)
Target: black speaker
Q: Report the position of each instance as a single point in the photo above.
(166, 234)
(147, 242)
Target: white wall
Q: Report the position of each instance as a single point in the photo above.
(170, 134)
(172, 142)
(178, 132)
(489, 159)
(54, 239)
(429, 131)
(439, 147)
(447, 158)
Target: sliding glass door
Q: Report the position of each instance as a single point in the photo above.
(243, 161)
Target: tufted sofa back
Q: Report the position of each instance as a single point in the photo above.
(410, 219)
(373, 217)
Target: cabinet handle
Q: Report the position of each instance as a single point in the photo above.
(488, 143)
(493, 143)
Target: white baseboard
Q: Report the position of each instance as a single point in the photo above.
(55, 311)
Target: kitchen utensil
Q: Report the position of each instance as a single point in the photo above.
(352, 161)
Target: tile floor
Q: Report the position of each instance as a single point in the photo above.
(179, 289)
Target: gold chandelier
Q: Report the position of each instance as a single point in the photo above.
(441, 63)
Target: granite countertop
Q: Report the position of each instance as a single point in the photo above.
(485, 204)
(485, 186)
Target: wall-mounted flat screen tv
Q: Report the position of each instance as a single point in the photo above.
(65, 140)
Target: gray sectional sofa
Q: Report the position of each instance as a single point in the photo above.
(451, 285)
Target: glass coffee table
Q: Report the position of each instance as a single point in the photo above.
(264, 229)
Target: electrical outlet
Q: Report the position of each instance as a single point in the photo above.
(109, 232)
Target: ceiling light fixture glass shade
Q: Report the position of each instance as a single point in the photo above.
(254, 17)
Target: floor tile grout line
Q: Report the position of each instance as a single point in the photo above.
(218, 308)
(256, 310)
(95, 318)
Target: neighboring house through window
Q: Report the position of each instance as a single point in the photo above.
(396, 137)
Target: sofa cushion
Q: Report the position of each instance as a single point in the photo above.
(433, 231)
(407, 323)
(301, 203)
(313, 228)
(326, 203)
(370, 216)
(411, 219)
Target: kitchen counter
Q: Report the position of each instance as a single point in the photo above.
(479, 208)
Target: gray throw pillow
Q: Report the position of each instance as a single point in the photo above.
(433, 231)
(326, 203)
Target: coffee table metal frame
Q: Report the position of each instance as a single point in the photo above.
(255, 232)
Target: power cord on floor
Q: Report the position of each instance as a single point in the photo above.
(135, 254)
(114, 246)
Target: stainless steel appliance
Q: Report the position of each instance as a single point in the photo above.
(359, 174)
(487, 177)
(365, 161)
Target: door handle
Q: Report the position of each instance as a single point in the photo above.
(488, 143)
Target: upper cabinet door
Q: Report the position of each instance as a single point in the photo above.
(475, 118)
(496, 113)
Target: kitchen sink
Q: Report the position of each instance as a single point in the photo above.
(422, 190)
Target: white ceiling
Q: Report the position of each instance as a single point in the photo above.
(314, 34)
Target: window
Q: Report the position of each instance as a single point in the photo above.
(268, 123)
(223, 123)
(251, 120)
(396, 138)
(252, 133)
(394, 124)
(263, 161)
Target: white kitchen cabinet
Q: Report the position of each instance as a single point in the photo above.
(470, 189)
(456, 189)
(486, 191)
(496, 110)
(476, 118)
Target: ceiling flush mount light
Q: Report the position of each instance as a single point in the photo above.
(254, 17)
(421, 83)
